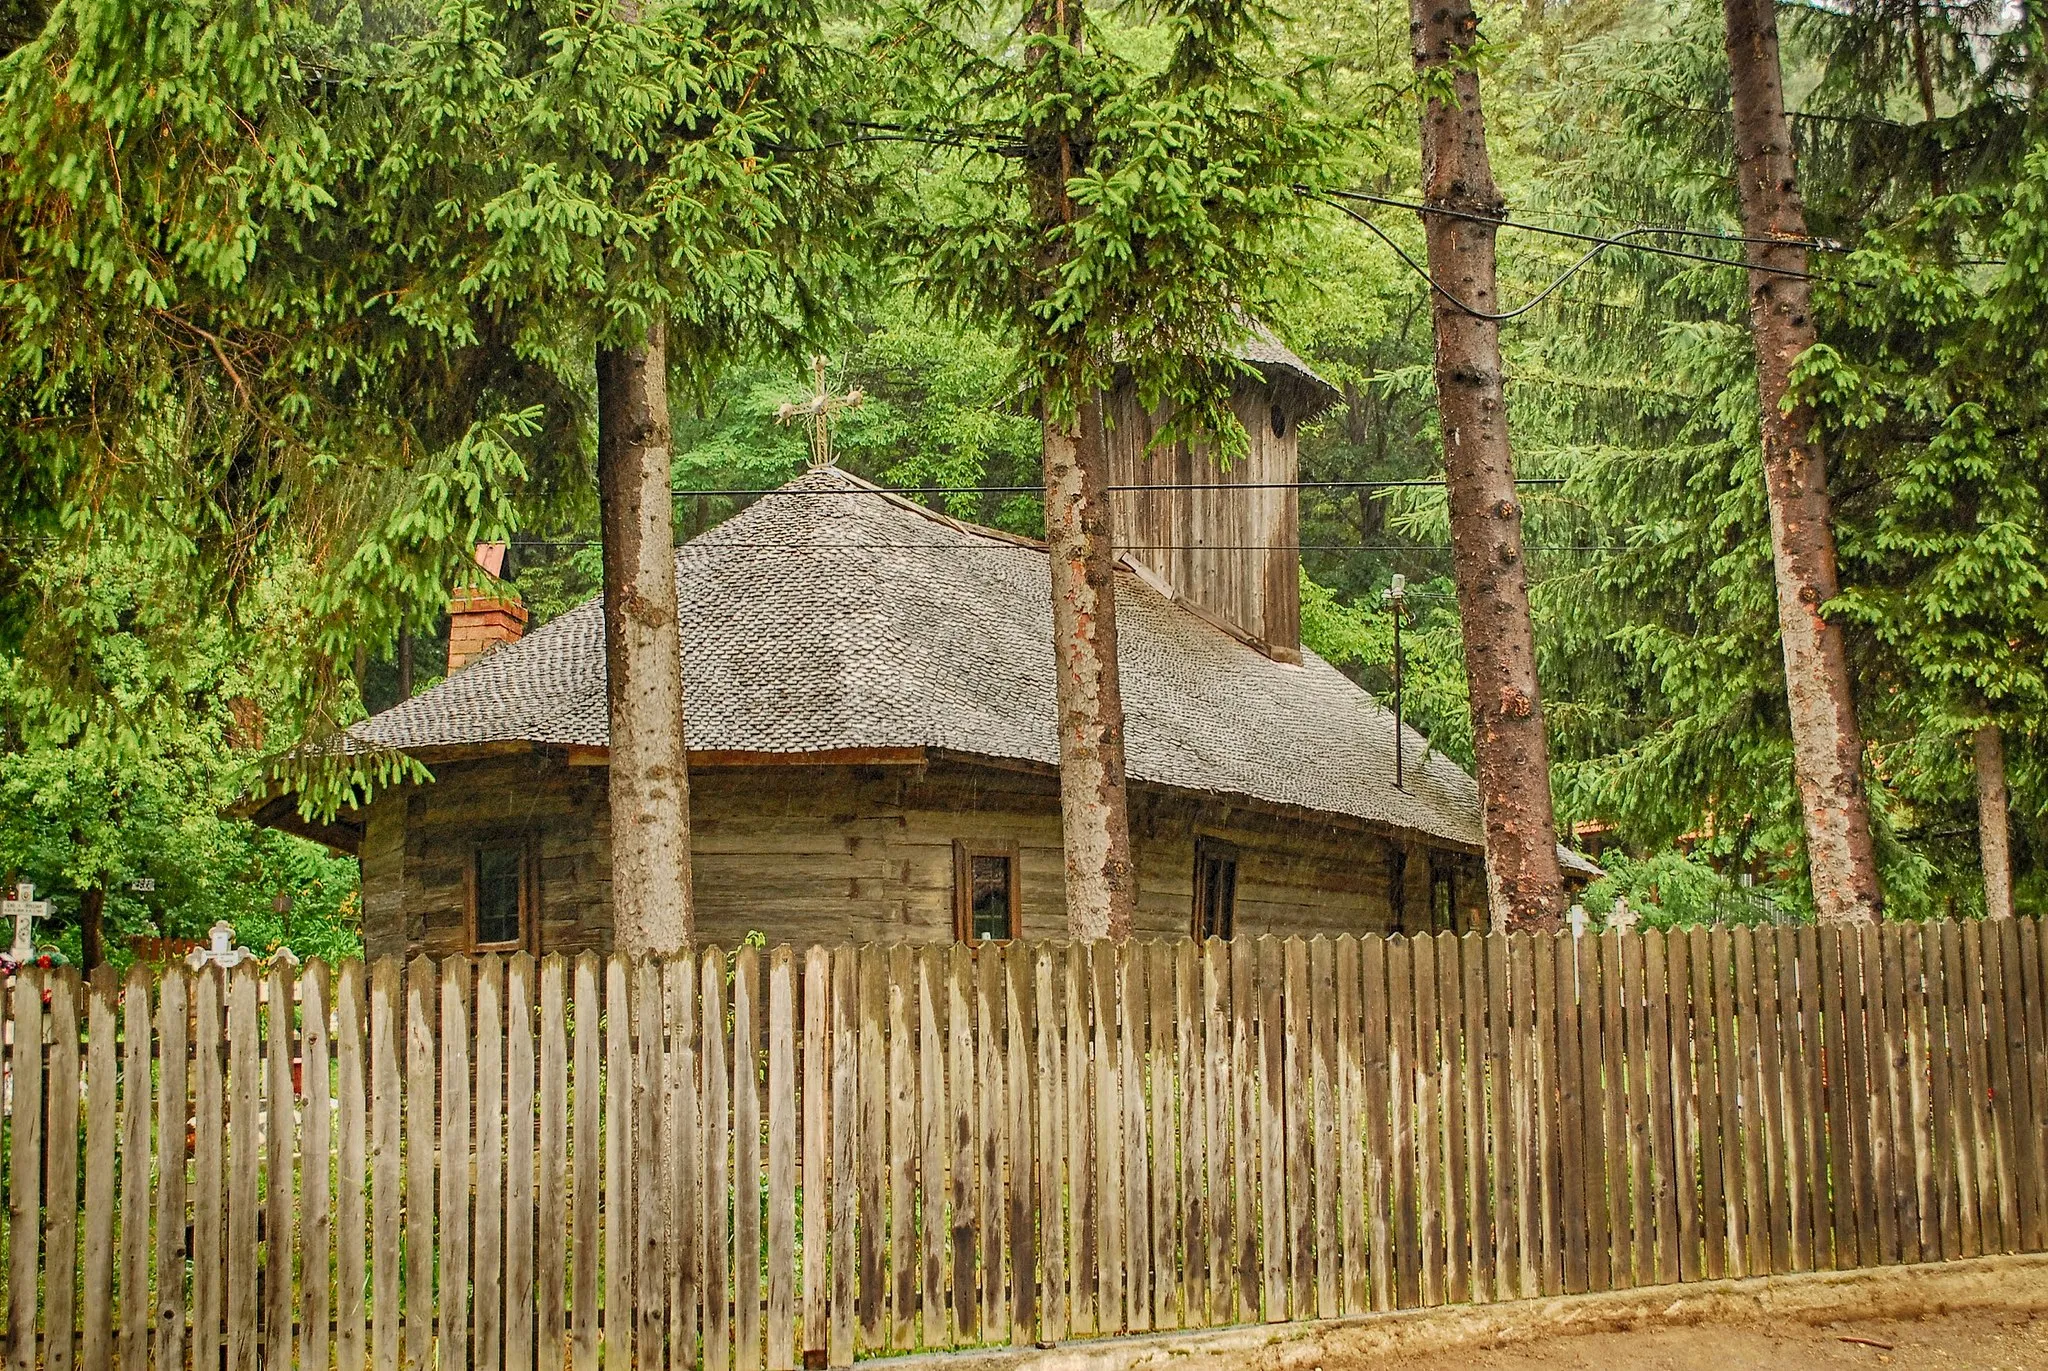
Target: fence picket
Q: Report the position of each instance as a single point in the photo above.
(1191, 1058)
(586, 1156)
(551, 1236)
(96, 1298)
(452, 1302)
(1085, 1221)
(1401, 1076)
(1429, 1136)
(136, 1164)
(845, 1205)
(1374, 997)
(1666, 1109)
(1483, 1150)
(421, 982)
(519, 1176)
(1108, 1142)
(25, 1169)
(1454, 1063)
(1023, 1253)
(1052, 1152)
(1245, 1202)
(723, 1287)
(1575, 1209)
(1356, 1288)
(686, 1166)
(817, 1196)
(1620, 1142)
(991, 1127)
(386, 1161)
(902, 1247)
(1521, 1225)
(935, 1124)
(315, 1178)
(746, 1157)
(782, 1143)
(651, 1230)
(871, 1161)
(60, 1240)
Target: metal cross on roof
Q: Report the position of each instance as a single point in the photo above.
(816, 413)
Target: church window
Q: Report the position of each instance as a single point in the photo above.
(985, 892)
(1215, 888)
(500, 895)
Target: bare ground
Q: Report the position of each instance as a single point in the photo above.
(1977, 1340)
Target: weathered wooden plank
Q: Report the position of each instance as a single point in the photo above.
(586, 1160)
(1191, 1023)
(1083, 1265)
(1429, 1195)
(387, 1196)
(746, 1157)
(1665, 1110)
(685, 1154)
(173, 1109)
(1707, 1073)
(1404, 1070)
(1453, 1061)
(422, 984)
(1898, 1087)
(487, 1211)
(1110, 1290)
(1761, 1007)
(1376, 1102)
(1920, 1135)
(1522, 1222)
(1550, 1113)
(1998, 1078)
(1685, 1175)
(2034, 946)
(1052, 1148)
(1748, 1104)
(96, 1296)
(25, 1169)
(1220, 1087)
(965, 1175)
(455, 1161)
(1813, 1110)
(1729, 1076)
(1593, 1119)
(1299, 1120)
(552, 1165)
(1019, 1144)
(1940, 1090)
(245, 1092)
(817, 1196)
(315, 1176)
(650, 1219)
(2024, 1164)
(1356, 1290)
(1274, 1223)
(1881, 1082)
(1621, 1141)
(136, 1162)
(992, 1129)
(1978, 1147)
(1842, 1208)
(519, 1301)
(936, 1124)
(1791, 1080)
(724, 1173)
(60, 1177)
(1245, 1055)
(1325, 1264)
(616, 1219)
(871, 1159)
(782, 1148)
(1482, 1135)
(1635, 1253)
(1132, 1029)
(1576, 1207)
(902, 1248)
(845, 1150)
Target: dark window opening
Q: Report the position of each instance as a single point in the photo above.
(1397, 886)
(1279, 421)
(501, 903)
(1215, 889)
(985, 895)
(1443, 896)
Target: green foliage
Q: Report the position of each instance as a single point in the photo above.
(1670, 889)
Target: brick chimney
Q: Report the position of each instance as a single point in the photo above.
(485, 615)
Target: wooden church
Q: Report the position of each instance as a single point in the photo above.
(870, 712)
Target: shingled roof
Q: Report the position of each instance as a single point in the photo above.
(835, 615)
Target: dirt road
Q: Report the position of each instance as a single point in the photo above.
(1976, 1341)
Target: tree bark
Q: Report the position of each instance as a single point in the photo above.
(649, 779)
(1827, 749)
(1094, 798)
(1525, 888)
(1994, 839)
(92, 925)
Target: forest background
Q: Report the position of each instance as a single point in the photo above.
(137, 705)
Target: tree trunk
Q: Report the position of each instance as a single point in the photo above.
(1827, 750)
(1994, 841)
(92, 924)
(650, 780)
(1094, 800)
(1525, 888)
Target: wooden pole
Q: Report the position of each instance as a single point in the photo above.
(1827, 749)
(1525, 887)
(650, 782)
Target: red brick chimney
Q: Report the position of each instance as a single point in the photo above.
(483, 616)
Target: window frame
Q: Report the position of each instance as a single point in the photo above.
(1207, 850)
(529, 893)
(964, 852)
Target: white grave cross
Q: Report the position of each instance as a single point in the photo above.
(222, 953)
(24, 908)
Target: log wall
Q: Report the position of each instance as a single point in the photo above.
(809, 854)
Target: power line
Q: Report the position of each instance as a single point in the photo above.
(792, 545)
(1135, 487)
(1672, 230)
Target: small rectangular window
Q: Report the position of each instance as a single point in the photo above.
(1443, 895)
(500, 895)
(985, 895)
(1215, 888)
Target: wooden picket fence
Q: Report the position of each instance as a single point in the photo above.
(773, 1158)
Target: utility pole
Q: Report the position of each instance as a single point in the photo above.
(1397, 604)
(1827, 747)
(1525, 888)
